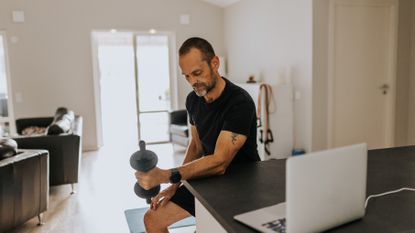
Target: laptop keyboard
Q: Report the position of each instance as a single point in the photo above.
(276, 225)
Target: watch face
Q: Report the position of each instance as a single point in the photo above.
(175, 176)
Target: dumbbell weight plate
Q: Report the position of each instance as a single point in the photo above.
(143, 160)
(146, 194)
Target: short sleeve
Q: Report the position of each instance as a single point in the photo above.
(239, 118)
(189, 107)
(191, 119)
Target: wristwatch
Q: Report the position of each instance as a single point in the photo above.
(175, 176)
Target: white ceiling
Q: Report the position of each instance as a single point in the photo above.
(221, 3)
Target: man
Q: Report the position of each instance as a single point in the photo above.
(223, 128)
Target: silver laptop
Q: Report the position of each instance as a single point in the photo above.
(323, 190)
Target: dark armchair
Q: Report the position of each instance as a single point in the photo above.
(178, 128)
(64, 149)
(24, 188)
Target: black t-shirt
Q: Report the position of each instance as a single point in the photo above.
(233, 111)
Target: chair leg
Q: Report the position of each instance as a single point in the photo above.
(40, 219)
(73, 191)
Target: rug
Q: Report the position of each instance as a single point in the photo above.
(135, 220)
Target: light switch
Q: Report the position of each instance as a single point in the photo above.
(14, 39)
(18, 16)
(185, 19)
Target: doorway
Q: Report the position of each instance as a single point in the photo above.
(7, 124)
(134, 85)
(154, 95)
(362, 68)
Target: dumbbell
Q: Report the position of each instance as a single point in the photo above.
(143, 161)
(8, 147)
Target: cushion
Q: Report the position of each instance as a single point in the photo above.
(8, 147)
(62, 122)
(33, 131)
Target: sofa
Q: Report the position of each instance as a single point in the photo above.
(24, 188)
(64, 149)
(178, 127)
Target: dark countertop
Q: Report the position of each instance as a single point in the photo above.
(246, 187)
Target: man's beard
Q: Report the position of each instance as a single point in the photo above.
(201, 89)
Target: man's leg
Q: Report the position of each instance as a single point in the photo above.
(157, 221)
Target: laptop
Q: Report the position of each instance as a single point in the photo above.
(323, 190)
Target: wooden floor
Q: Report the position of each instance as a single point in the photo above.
(104, 192)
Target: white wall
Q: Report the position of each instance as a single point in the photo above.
(403, 72)
(272, 39)
(411, 102)
(3, 82)
(51, 64)
(405, 76)
(320, 72)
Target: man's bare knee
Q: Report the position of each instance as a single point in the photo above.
(153, 222)
(158, 220)
(150, 220)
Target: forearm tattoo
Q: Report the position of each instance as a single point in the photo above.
(234, 136)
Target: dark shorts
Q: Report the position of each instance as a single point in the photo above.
(184, 199)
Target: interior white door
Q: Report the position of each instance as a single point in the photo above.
(362, 61)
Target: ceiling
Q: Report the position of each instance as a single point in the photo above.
(221, 3)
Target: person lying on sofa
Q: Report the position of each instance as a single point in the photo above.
(223, 127)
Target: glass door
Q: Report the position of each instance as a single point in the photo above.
(132, 78)
(7, 126)
(153, 86)
(115, 54)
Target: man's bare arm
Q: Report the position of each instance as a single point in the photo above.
(194, 150)
(227, 145)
